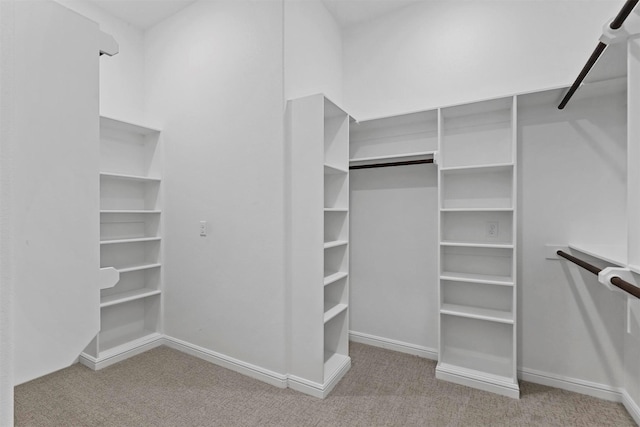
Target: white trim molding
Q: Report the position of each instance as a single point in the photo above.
(121, 353)
(601, 391)
(389, 344)
(631, 406)
(253, 371)
(319, 390)
(479, 380)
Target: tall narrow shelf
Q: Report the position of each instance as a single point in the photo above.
(477, 257)
(318, 141)
(130, 242)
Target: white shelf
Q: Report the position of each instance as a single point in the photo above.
(477, 245)
(125, 126)
(123, 343)
(128, 296)
(613, 254)
(476, 210)
(129, 177)
(336, 210)
(491, 167)
(135, 240)
(334, 277)
(334, 311)
(333, 362)
(129, 211)
(423, 155)
(333, 170)
(138, 268)
(477, 278)
(477, 313)
(335, 244)
(130, 236)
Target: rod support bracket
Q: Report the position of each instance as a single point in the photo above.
(629, 28)
(605, 276)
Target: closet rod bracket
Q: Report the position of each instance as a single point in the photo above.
(618, 35)
(607, 275)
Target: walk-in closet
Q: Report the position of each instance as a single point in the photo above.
(319, 212)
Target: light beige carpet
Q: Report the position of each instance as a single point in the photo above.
(164, 387)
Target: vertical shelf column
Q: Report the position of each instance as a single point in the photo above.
(633, 155)
(319, 244)
(130, 242)
(477, 257)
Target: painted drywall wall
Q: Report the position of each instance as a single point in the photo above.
(438, 53)
(572, 170)
(312, 51)
(54, 187)
(214, 83)
(122, 75)
(393, 271)
(6, 281)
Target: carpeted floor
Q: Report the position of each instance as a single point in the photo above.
(164, 387)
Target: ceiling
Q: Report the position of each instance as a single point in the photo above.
(146, 13)
(142, 13)
(350, 12)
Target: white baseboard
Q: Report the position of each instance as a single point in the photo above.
(253, 371)
(631, 406)
(500, 385)
(389, 344)
(319, 390)
(122, 353)
(589, 388)
(601, 391)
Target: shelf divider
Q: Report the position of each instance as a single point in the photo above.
(477, 313)
(477, 278)
(334, 311)
(123, 297)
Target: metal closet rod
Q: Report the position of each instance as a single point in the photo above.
(386, 165)
(615, 281)
(615, 24)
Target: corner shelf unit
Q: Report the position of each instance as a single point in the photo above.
(318, 142)
(130, 242)
(391, 139)
(477, 256)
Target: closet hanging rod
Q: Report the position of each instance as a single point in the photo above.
(615, 24)
(615, 281)
(384, 165)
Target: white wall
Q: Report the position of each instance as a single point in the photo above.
(572, 174)
(438, 53)
(214, 82)
(312, 51)
(6, 283)
(394, 243)
(122, 75)
(54, 187)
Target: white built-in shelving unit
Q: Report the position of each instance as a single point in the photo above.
(477, 176)
(130, 242)
(392, 139)
(318, 141)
